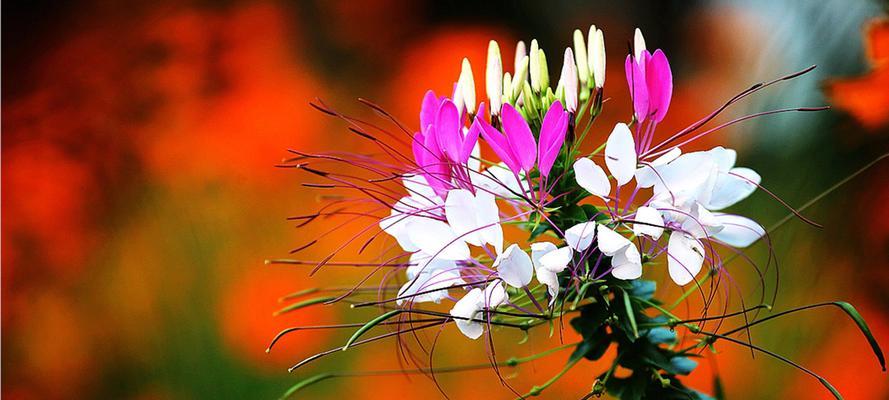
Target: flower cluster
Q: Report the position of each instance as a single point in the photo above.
(590, 224)
(649, 191)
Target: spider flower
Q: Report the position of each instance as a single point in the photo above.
(595, 224)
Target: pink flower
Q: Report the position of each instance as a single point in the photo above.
(651, 84)
(516, 146)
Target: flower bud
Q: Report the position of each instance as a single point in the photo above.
(494, 77)
(568, 81)
(535, 66)
(544, 70)
(467, 86)
(521, 75)
(638, 44)
(520, 53)
(596, 56)
(583, 69)
(507, 89)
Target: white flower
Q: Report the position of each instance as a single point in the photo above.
(494, 77)
(420, 204)
(626, 262)
(620, 154)
(475, 219)
(647, 175)
(425, 275)
(435, 237)
(708, 177)
(592, 177)
(649, 222)
(466, 310)
(514, 266)
(548, 262)
(579, 237)
(685, 256)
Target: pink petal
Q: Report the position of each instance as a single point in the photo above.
(638, 88)
(659, 78)
(498, 143)
(428, 109)
(434, 166)
(471, 136)
(552, 136)
(448, 130)
(519, 136)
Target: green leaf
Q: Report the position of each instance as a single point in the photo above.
(853, 313)
(303, 304)
(305, 383)
(370, 324)
(630, 315)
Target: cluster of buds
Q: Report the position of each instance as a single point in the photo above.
(527, 88)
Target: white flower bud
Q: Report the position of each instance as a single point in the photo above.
(544, 70)
(583, 69)
(596, 56)
(521, 75)
(467, 86)
(520, 53)
(507, 88)
(535, 66)
(568, 81)
(638, 44)
(494, 77)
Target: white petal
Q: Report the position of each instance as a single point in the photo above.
(427, 283)
(691, 175)
(650, 223)
(468, 307)
(702, 223)
(725, 158)
(579, 237)
(556, 260)
(424, 263)
(460, 210)
(647, 175)
(627, 264)
(610, 242)
(738, 231)
(592, 177)
(488, 220)
(417, 186)
(475, 163)
(732, 187)
(495, 295)
(551, 280)
(395, 225)
(499, 180)
(538, 249)
(685, 256)
(514, 266)
(620, 154)
(436, 238)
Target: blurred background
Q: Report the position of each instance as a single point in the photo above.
(139, 197)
